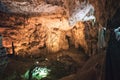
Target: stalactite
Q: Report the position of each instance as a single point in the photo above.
(13, 49)
(101, 37)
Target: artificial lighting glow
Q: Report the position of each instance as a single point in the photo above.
(37, 73)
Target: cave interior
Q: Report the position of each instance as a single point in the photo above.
(59, 39)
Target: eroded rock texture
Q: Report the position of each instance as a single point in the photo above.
(42, 27)
(47, 26)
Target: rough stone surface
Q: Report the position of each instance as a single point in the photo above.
(49, 33)
(50, 29)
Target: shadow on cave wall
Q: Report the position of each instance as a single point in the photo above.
(113, 50)
(3, 8)
(10, 19)
(114, 22)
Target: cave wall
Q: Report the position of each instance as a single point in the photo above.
(30, 34)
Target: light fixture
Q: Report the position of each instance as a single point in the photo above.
(37, 73)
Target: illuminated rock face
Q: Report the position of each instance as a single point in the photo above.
(79, 36)
(56, 40)
(30, 33)
(36, 33)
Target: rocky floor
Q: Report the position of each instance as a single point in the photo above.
(70, 65)
(61, 65)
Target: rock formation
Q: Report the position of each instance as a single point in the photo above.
(44, 27)
(35, 24)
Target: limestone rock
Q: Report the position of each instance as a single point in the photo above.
(32, 32)
(56, 40)
(79, 36)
